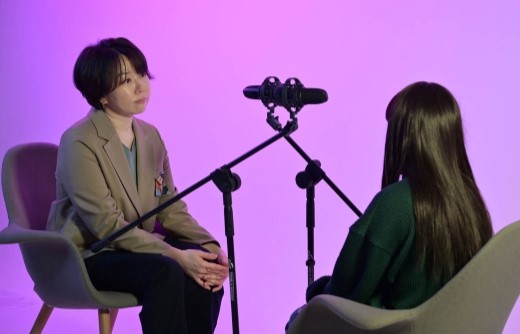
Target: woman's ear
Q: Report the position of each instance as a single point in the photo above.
(104, 102)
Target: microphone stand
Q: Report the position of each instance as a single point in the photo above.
(275, 124)
(290, 127)
(307, 180)
(221, 177)
(324, 176)
(227, 182)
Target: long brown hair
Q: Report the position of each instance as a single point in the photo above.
(425, 144)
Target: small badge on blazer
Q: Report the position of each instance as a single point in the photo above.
(160, 188)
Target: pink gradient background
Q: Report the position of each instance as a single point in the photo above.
(203, 53)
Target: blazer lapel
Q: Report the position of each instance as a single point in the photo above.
(114, 150)
(146, 169)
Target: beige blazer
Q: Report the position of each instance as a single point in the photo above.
(97, 194)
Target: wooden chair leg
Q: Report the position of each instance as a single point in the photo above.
(104, 322)
(41, 319)
(113, 317)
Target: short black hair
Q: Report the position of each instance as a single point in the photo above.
(99, 66)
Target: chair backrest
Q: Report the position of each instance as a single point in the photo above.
(29, 183)
(481, 296)
(478, 300)
(53, 261)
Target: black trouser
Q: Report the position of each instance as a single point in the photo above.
(172, 303)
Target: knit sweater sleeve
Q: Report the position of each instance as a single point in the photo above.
(372, 245)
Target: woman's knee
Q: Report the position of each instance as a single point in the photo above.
(168, 275)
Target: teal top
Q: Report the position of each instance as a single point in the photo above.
(131, 156)
(377, 265)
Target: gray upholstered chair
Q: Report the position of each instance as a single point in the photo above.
(478, 300)
(53, 262)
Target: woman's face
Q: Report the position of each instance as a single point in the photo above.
(131, 96)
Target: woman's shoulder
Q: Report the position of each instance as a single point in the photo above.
(395, 191)
(390, 216)
(80, 128)
(392, 203)
(143, 126)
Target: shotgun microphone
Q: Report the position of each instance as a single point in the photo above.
(291, 95)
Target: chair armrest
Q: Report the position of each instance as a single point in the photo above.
(58, 270)
(361, 315)
(54, 264)
(15, 234)
(332, 314)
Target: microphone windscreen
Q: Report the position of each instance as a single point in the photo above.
(252, 92)
(313, 96)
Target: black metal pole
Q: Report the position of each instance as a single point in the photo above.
(99, 245)
(272, 120)
(228, 213)
(310, 217)
(226, 188)
(308, 179)
(227, 182)
(323, 175)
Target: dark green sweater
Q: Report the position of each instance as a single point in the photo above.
(377, 264)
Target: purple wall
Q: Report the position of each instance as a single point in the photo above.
(203, 53)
